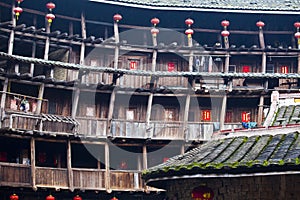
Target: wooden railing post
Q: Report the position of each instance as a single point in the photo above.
(32, 157)
(107, 170)
(69, 166)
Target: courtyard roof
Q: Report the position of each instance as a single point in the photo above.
(259, 154)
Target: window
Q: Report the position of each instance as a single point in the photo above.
(245, 116)
(133, 65)
(246, 68)
(284, 69)
(171, 66)
(206, 115)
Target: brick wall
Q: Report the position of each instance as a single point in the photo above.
(281, 187)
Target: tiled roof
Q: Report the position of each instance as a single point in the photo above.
(287, 115)
(235, 155)
(267, 5)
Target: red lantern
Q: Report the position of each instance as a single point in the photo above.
(117, 17)
(202, 193)
(50, 17)
(77, 197)
(154, 21)
(189, 32)
(297, 35)
(297, 24)
(14, 197)
(50, 197)
(18, 11)
(189, 22)
(225, 33)
(114, 198)
(260, 24)
(50, 6)
(225, 23)
(154, 31)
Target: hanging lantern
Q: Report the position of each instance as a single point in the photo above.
(225, 33)
(117, 17)
(154, 31)
(225, 23)
(297, 24)
(202, 193)
(50, 6)
(260, 24)
(14, 197)
(19, 1)
(50, 197)
(154, 21)
(114, 198)
(189, 22)
(189, 32)
(18, 11)
(297, 35)
(50, 17)
(77, 197)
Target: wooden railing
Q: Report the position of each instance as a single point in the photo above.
(125, 180)
(166, 130)
(51, 177)
(92, 126)
(89, 179)
(12, 174)
(200, 131)
(123, 128)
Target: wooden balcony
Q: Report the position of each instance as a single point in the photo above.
(12, 174)
(89, 179)
(166, 130)
(92, 127)
(132, 129)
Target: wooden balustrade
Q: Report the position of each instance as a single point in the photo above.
(200, 131)
(166, 130)
(12, 174)
(89, 179)
(122, 128)
(92, 126)
(51, 177)
(125, 180)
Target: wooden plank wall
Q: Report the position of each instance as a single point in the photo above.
(89, 179)
(51, 177)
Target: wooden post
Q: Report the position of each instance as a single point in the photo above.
(110, 112)
(83, 34)
(40, 99)
(261, 38)
(191, 55)
(298, 67)
(186, 117)
(32, 161)
(223, 112)
(3, 97)
(264, 63)
(182, 149)
(227, 56)
(145, 163)
(12, 33)
(31, 70)
(75, 103)
(69, 166)
(148, 115)
(107, 170)
(117, 41)
(260, 110)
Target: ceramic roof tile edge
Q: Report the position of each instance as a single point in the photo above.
(209, 7)
(288, 161)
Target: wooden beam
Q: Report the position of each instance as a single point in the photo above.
(69, 166)
(107, 170)
(110, 112)
(40, 99)
(32, 161)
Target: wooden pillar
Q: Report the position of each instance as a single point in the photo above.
(12, 33)
(145, 160)
(107, 170)
(117, 41)
(227, 61)
(69, 166)
(148, 115)
(83, 35)
(40, 99)
(32, 163)
(264, 63)
(47, 46)
(260, 110)
(182, 149)
(186, 117)
(3, 97)
(75, 102)
(261, 38)
(223, 112)
(110, 112)
(31, 70)
(191, 54)
(298, 68)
